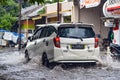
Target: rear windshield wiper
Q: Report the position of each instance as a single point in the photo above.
(76, 37)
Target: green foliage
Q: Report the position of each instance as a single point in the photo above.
(42, 1)
(8, 14)
(7, 21)
(2, 11)
(33, 1)
(26, 4)
(67, 19)
(9, 11)
(42, 11)
(3, 2)
(54, 1)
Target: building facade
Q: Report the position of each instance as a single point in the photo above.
(68, 13)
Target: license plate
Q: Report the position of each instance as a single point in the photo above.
(77, 46)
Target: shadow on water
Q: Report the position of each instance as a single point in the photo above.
(75, 65)
(5, 77)
(3, 67)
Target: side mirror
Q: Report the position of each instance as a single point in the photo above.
(30, 38)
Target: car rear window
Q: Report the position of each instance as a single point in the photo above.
(79, 31)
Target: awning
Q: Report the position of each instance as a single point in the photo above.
(65, 11)
(107, 18)
(36, 18)
(40, 16)
(2, 30)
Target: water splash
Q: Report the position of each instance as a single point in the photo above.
(114, 63)
(11, 58)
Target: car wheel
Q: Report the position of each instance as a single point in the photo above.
(46, 62)
(27, 56)
(64, 66)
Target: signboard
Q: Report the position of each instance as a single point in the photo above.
(114, 6)
(113, 2)
(105, 12)
(108, 24)
(89, 3)
(111, 10)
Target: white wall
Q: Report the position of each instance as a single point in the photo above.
(93, 16)
(51, 8)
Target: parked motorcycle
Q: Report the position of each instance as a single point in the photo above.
(105, 43)
(115, 51)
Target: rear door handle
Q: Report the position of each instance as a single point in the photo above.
(47, 43)
(35, 43)
(44, 40)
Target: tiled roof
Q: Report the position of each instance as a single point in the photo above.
(31, 11)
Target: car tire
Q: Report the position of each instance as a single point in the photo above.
(64, 66)
(27, 56)
(46, 62)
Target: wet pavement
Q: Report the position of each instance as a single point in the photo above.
(13, 67)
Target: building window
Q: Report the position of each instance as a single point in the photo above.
(67, 19)
(30, 31)
(52, 20)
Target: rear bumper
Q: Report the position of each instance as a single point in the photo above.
(60, 56)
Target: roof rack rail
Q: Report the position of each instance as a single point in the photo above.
(58, 22)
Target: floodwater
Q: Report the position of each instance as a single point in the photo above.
(13, 67)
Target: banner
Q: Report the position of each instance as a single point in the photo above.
(89, 3)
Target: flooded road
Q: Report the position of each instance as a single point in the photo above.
(13, 67)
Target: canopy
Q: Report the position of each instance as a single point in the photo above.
(2, 30)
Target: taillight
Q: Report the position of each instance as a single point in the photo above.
(57, 42)
(96, 42)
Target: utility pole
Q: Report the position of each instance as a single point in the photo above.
(76, 9)
(58, 15)
(19, 39)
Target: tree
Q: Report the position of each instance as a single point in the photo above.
(54, 1)
(33, 1)
(8, 14)
(43, 1)
(7, 21)
(3, 1)
(11, 7)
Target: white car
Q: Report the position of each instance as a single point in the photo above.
(64, 43)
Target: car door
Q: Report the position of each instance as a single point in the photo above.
(37, 41)
(40, 41)
(31, 45)
(48, 44)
